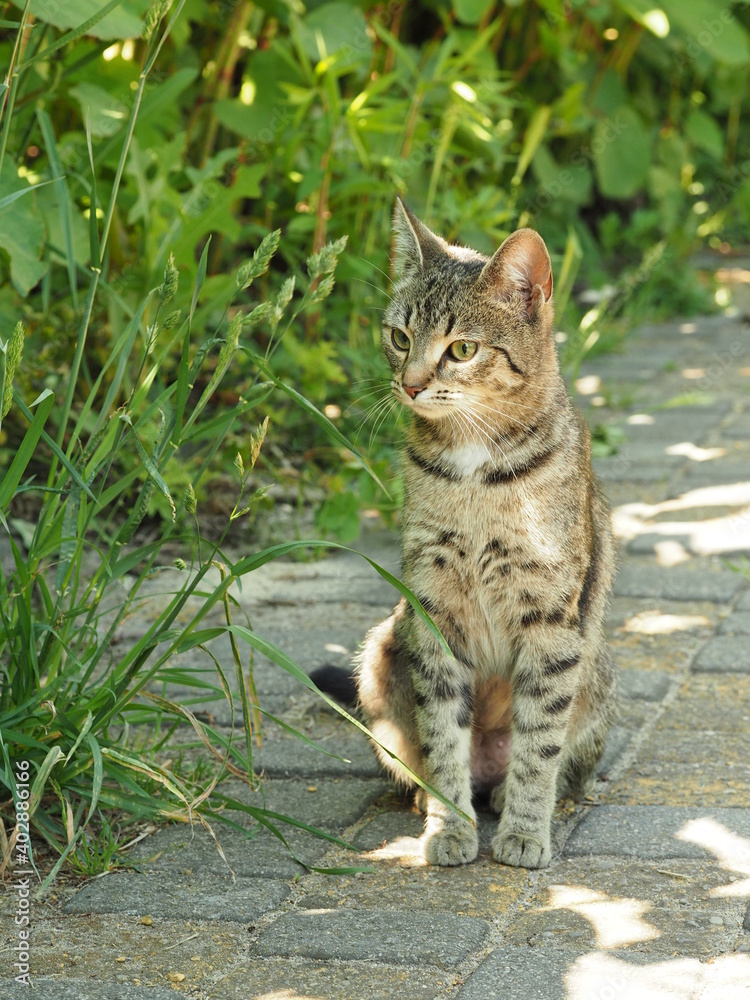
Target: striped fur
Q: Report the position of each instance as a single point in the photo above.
(507, 543)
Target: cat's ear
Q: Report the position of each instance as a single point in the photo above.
(522, 265)
(415, 244)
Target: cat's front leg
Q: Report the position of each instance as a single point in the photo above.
(443, 696)
(544, 686)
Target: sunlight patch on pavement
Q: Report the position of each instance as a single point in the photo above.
(616, 921)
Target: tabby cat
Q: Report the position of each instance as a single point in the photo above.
(507, 544)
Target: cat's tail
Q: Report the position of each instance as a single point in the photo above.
(338, 682)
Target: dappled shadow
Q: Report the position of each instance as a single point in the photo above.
(677, 540)
(603, 976)
(616, 921)
(732, 852)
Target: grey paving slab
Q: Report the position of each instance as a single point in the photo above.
(178, 849)
(738, 427)
(295, 979)
(57, 988)
(746, 921)
(729, 653)
(677, 584)
(644, 685)
(736, 624)
(617, 742)
(743, 604)
(635, 831)
(286, 758)
(545, 974)
(375, 935)
(388, 826)
(181, 897)
(618, 469)
(716, 472)
(328, 803)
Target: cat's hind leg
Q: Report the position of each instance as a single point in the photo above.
(386, 697)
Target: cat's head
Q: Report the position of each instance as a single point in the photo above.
(461, 326)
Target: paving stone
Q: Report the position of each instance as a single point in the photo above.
(618, 740)
(738, 427)
(652, 831)
(647, 685)
(714, 702)
(716, 473)
(328, 803)
(744, 602)
(177, 849)
(405, 884)
(724, 653)
(290, 757)
(619, 469)
(687, 769)
(677, 584)
(736, 624)
(193, 897)
(55, 988)
(375, 935)
(388, 826)
(730, 537)
(746, 921)
(542, 974)
(264, 979)
(649, 907)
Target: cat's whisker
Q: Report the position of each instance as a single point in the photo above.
(376, 287)
(373, 411)
(384, 416)
(507, 417)
(386, 276)
(472, 419)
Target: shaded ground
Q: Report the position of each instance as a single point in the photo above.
(648, 892)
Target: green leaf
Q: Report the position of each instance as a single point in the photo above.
(471, 11)
(535, 132)
(123, 19)
(148, 462)
(703, 132)
(710, 28)
(22, 232)
(622, 152)
(27, 447)
(335, 27)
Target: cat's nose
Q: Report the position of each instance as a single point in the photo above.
(412, 390)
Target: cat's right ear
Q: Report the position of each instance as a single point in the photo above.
(414, 244)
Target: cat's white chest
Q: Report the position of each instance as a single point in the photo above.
(467, 458)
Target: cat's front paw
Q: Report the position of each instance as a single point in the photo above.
(521, 850)
(451, 847)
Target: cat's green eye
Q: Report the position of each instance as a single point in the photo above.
(400, 340)
(463, 350)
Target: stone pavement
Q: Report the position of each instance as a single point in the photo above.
(648, 894)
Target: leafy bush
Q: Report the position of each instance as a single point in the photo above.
(612, 127)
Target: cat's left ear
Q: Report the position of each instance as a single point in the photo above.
(522, 264)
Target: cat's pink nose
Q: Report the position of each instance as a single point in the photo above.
(412, 390)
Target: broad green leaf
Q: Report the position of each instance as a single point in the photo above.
(710, 28)
(21, 231)
(333, 27)
(622, 149)
(703, 131)
(123, 21)
(471, 11)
